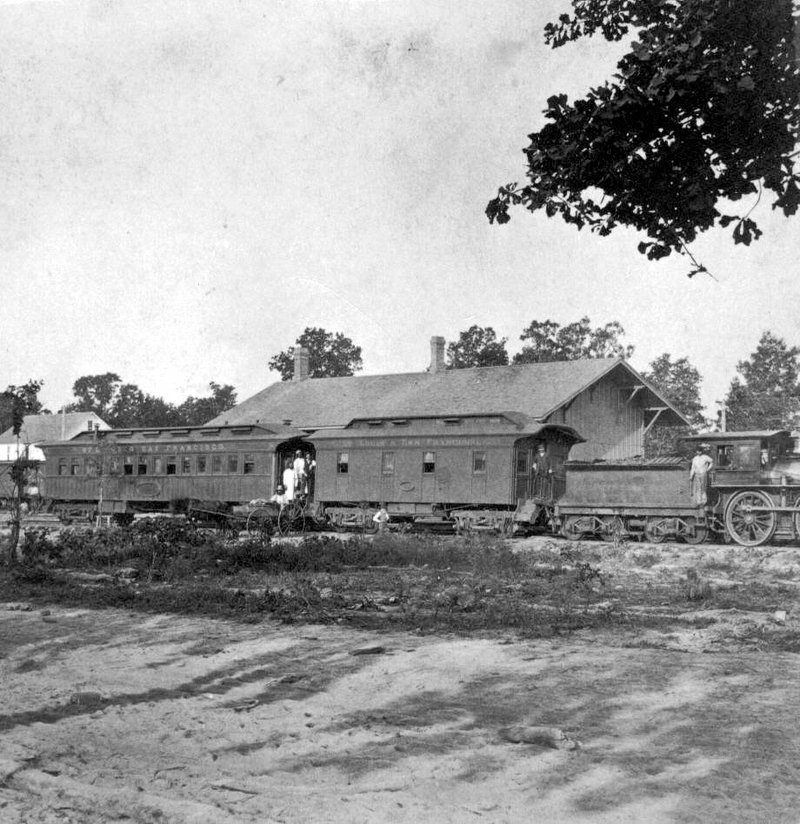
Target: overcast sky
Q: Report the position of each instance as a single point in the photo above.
(187, 185)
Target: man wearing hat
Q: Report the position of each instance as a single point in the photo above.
(698, 474)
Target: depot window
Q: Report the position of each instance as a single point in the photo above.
(172, 465)
(387, 463)
(478, 463)
(249, 467)
(342, 463)
(428, 463)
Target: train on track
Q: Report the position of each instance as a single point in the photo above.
(504, 473)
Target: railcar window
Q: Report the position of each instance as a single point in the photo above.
(249, 466)
(127, 468)
(158, 465)
(522, 463)
(62, 466)
(724, 454)
(387, 463)
(233, 464)
(186, 465)
(202, 464)
(343, 463)
(172, 465)
(75, 467)
(478, 463)
(216, 464)
(428, 463)
(141, 468)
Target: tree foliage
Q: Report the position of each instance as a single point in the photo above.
(766, 393)
(477, 346)
(679, 381)
(18, 401)
(125, 405)
(549, 341)
(703, 109)
(331, 355)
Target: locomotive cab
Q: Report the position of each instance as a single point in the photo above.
(755, 479)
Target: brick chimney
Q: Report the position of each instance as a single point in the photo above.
(301, 368)
(437, 354)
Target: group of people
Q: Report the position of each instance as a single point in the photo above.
(297, 478)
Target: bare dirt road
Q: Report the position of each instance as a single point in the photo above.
(112, 716)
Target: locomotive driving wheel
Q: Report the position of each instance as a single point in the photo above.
(750, 518)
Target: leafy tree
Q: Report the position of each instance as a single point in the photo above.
(197, 411)
(20, 399)
(125, 405)
(331, 355)
(549, 341)
(96, 393)
(704, 108)
(766, 393)
(679, 382)
(477, 346)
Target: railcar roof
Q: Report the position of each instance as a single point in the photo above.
(536, 390)
(149, 434)
(661, 461)
(737, 436)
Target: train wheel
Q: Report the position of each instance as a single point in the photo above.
(613, 529)
(750, 518)
(655, 530)
(696, 531)
(571, 528)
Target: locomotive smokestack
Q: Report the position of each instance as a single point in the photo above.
(301, 367)
(437, 354)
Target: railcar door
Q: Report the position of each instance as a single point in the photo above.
(285, 456)
(523, 471)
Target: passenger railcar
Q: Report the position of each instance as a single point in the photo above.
(135, 470)
(470, 472)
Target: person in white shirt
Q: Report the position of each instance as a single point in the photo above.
(288, 480)
(381, 518)
(280, 496)
(698, 475)
(300, 472)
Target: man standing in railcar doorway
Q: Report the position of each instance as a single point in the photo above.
(542, 470)
(698, 474)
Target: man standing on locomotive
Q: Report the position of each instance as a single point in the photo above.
(698, 474)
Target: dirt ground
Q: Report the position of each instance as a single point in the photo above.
(111, 716)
